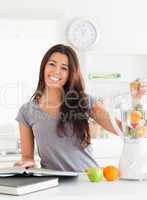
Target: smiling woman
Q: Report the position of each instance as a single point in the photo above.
(58, 115)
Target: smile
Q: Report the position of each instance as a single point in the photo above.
(53, 78)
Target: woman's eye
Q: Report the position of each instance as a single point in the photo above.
(51, 64)
(65, 68)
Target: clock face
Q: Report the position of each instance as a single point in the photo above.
(82, 34)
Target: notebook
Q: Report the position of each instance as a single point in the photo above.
(12, 171)
(19, 185)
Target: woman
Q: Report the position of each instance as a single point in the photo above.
(57, 115)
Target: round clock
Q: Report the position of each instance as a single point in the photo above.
(82, 34)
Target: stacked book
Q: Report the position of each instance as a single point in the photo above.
(20, 181)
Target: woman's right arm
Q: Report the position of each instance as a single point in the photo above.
(27, 146)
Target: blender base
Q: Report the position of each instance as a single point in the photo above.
(133, 160)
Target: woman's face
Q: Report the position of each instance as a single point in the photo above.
(56, 70)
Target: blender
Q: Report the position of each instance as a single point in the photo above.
(132, 109)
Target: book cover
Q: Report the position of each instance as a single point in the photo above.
(19, 185)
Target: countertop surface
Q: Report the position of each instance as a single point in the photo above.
(82, 188)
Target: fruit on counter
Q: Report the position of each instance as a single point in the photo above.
(135, 117)
(111, 173)
(95, 174)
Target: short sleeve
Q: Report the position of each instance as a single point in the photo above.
(22, 115)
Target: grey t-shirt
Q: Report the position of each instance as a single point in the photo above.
(58, 153)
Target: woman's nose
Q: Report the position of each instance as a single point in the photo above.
(57, 70)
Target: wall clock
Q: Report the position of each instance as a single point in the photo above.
(82, 34)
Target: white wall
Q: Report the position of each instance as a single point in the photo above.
(23, 44)
(122, 23)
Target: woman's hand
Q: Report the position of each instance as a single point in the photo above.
(25, 163)
(138, 89)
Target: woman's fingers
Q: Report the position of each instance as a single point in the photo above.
(143, 87)
(24, 164)
(28, 164)
(138, 88)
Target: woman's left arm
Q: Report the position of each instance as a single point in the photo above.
(102, 117)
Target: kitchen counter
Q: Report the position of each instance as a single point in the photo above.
(82, 188)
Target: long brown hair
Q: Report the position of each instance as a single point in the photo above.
(74, 108)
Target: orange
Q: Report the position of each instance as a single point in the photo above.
(110, 173)
(135, 117)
